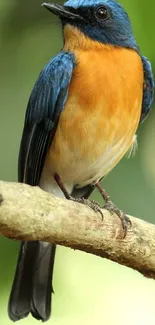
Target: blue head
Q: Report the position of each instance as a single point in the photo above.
(104, 21)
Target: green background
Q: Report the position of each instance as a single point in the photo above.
(88, 289)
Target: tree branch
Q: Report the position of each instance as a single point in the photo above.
(28, 213)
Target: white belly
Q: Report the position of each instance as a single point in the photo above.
(102, 166)
(83, 174)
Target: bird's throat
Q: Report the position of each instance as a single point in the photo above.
(74, 39)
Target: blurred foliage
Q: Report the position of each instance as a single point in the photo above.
(88, 289)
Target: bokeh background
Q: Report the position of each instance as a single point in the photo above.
(88, 289)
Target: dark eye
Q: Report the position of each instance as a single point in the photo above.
(101, 13)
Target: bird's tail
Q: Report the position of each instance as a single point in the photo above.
(32, 286)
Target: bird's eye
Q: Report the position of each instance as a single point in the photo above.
(101, 13)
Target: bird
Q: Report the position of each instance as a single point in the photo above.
(81, 119)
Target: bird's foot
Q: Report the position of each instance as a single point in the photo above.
(126, 222)
(95, 206)
(110, 206)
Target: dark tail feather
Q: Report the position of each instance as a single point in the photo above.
(42, 281)
(19, 303)
(31, 290)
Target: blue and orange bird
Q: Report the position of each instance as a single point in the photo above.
(81, 119)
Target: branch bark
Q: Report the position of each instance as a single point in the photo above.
(28, 213)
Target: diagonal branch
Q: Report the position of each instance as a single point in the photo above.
(28, 213)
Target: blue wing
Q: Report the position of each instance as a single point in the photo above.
(45, 105)
(148, 91)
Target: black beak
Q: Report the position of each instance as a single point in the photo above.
(62, 11)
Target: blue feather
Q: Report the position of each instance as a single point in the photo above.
(148, 90)
(46, 102)
(49, 94)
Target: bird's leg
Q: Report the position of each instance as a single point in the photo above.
(95, 206)
(109, 205)
(62, 186)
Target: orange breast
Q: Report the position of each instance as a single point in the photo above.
(101, 115)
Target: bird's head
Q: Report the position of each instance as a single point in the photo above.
(103, 21)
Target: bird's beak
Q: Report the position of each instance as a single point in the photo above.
(61, 11)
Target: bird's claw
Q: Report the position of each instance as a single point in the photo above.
(126, 222)
(95, 206)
